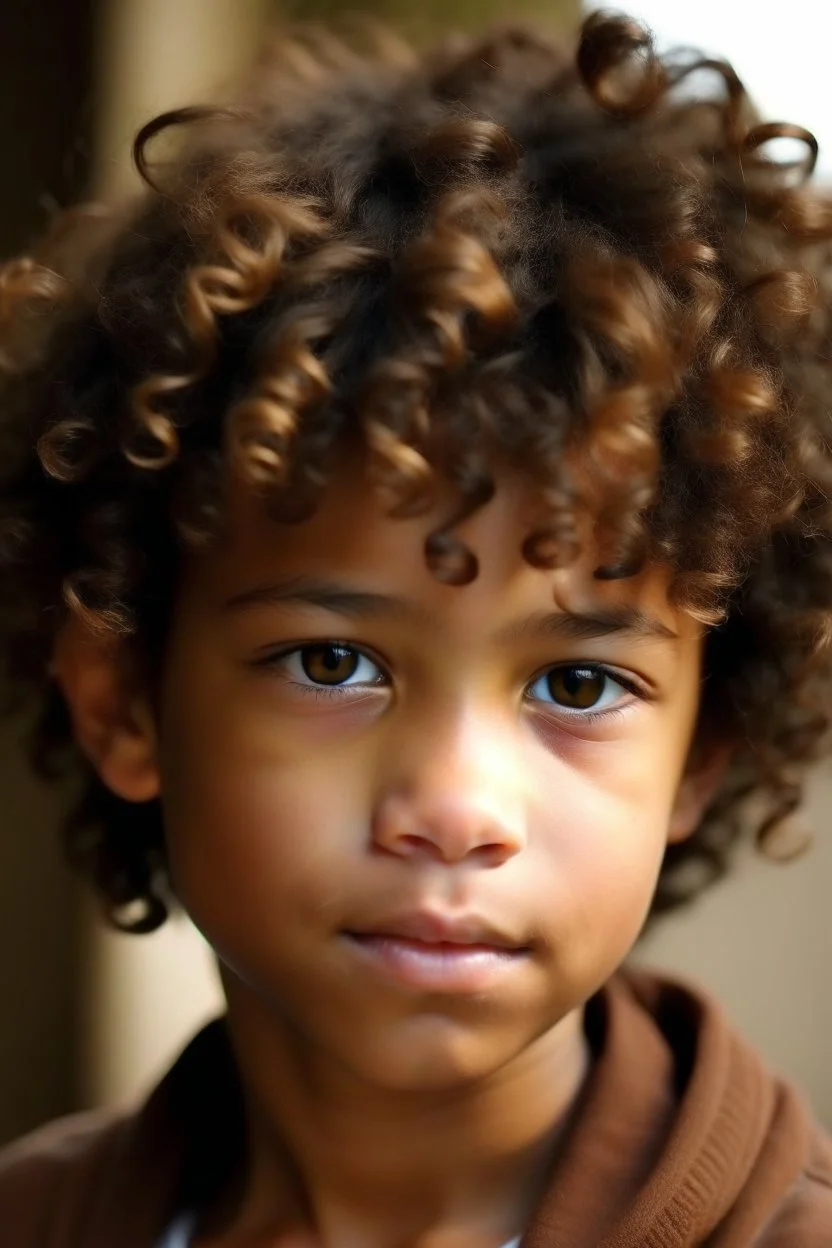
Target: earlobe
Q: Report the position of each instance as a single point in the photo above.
(697, 790)
(112, 721)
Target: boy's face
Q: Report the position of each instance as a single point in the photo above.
(352, 755)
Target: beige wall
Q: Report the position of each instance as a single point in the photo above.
(424, 17)
(153, 55)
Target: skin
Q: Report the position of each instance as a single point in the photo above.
(444, 774)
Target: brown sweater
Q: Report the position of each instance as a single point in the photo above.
(681, 1138)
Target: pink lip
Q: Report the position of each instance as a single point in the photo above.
(432, 928)
(438, 953)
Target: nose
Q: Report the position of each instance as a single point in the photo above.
(455, 796)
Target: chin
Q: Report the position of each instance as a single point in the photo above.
(428, 1054)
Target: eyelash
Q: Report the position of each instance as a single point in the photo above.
(273, 660)
(590, 716)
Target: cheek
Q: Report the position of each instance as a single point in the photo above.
(255, 820)
(597, 848)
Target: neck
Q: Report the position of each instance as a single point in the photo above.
(368, 1165)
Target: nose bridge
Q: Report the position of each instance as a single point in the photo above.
(457, 788)
(471, 756)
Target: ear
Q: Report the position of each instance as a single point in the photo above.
(112, 721)
(706, 768)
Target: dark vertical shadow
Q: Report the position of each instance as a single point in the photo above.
(45, 121)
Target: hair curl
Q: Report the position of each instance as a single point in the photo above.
(492, 246)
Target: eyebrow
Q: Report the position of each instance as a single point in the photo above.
(620, 618)
(328, 595)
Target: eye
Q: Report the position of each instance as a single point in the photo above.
(579, 687)
(329, 665)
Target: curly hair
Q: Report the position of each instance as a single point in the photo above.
(500, 245)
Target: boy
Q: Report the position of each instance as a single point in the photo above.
(417, 515)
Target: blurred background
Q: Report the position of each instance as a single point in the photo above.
(89, 1017)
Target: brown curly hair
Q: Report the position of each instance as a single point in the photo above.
(496, 245)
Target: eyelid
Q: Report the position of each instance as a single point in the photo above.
(627, 681)
(270, 654)
(632, 683)
(274, 662)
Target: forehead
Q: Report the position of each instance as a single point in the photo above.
(352, 540)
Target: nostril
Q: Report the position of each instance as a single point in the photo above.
(495, 853)
(410, 844)
(414, 843)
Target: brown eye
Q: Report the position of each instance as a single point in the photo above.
(578, 688)
(331, 668)
(329, 664)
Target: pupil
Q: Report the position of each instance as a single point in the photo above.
(329, 665)
(578, 687)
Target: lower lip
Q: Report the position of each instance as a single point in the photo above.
(437, 967)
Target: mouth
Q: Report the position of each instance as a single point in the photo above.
(435, 953)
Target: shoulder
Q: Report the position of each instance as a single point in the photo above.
(51, 1168)
(804, 1217)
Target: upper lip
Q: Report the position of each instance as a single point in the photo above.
(434, 928)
